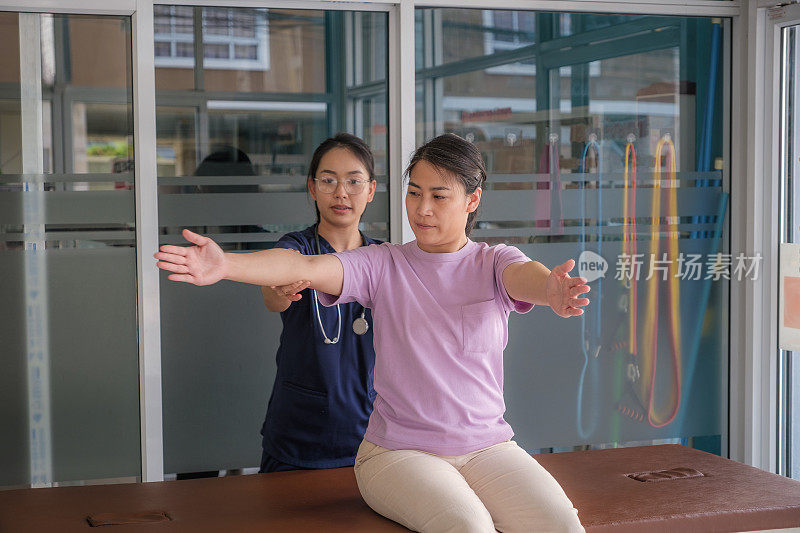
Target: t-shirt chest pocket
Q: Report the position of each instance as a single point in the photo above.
(481, 326)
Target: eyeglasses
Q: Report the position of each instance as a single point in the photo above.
(329, 185)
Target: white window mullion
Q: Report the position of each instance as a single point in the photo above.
(34, 216)
(401, 125)
(146, 191)
(754, 303)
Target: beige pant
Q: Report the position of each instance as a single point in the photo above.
(500, 487)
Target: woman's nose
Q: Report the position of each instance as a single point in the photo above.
(424, 207)
(340, 191)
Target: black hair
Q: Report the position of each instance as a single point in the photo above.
(460, 159)
(355, 145)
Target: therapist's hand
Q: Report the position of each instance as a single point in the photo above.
(292, 291)
(201, 264)
(278, 299)
(563, 291)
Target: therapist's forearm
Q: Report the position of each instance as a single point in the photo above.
(274, 300)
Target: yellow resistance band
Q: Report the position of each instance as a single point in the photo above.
(649, 351)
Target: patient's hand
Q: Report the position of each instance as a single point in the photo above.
(201, 264)
(563, 291)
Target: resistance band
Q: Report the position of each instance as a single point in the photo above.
(629, 244)
(625, 349)
(591, 334)
(649, 351)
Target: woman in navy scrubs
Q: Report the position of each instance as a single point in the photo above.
(322, 396)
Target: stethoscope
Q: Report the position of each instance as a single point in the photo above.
(360, 325)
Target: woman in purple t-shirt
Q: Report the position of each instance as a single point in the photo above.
(437, 454)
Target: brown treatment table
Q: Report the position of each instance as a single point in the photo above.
(728, 496)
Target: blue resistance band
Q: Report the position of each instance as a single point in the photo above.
(590, 343)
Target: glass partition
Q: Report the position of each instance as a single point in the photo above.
(603, 137)
(69, 376)
(237, 121)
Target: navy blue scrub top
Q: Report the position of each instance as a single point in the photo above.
(322, 396)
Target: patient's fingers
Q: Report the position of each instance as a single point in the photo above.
(172, 258)
(563, 269)
(171, 267)
(195, 238)
(170, 249)
(577, 291)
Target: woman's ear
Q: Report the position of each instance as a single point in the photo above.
(371, 189)
(312, 188)
(473, 200)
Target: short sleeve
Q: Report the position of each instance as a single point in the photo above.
(503, 257)
(363, 270)
(290, 242)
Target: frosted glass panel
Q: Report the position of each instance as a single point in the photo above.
(94, 389)
(14, 449)
(603, 139)
(69, 378)
(94, 370)
(218, 365)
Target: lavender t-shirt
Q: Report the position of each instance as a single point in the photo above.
(441, 324)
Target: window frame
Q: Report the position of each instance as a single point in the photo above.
(491, 45)
(775, 363)
(260, 40)
(752, 435)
